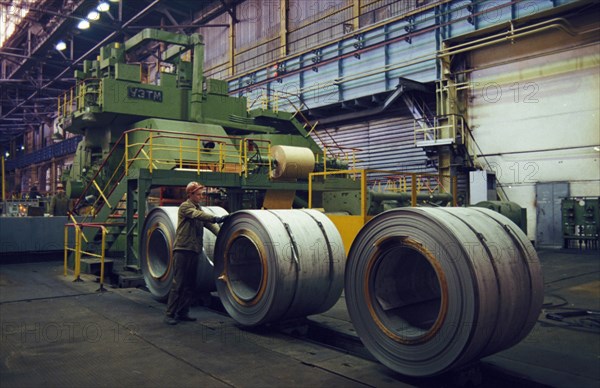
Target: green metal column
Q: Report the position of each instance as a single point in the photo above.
(197, 79)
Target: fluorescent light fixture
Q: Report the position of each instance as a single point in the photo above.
(93, 15)
(83, 25)
(114, 1)
(103, 6)
(61, 46)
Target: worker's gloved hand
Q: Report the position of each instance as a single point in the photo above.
(221, 219)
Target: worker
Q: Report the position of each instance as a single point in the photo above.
(191, 221)
(34, 193)
(59, 204)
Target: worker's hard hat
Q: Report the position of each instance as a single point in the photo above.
(60, 186)
(192, 187)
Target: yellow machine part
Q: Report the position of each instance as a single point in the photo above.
(348, 226)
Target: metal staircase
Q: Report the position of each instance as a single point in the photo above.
(450, 132)
(101, 203)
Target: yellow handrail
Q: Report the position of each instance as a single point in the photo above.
(78, 250)
(102, 194)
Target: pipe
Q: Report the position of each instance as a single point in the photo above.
(513, 33)
(156, 254)
(3, 180)
(378, 196)
(278, 264)
(433, 289)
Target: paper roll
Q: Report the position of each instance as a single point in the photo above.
(292, 162)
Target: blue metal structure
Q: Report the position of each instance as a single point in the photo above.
(65, 147)
(369, 60)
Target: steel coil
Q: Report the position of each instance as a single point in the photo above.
(432, 289)
(157, 252)
(272, 265)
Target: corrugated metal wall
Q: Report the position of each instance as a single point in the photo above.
(310, 23)
(257, 34)
(304, 30)
(378, 10)
(216, 54)
(385, 143)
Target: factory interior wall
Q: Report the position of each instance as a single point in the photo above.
(384, 143)
(535, 114)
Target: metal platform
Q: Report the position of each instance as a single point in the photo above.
(58, 333)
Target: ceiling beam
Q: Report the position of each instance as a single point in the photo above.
(107, 39)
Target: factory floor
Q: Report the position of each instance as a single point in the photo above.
(56, 332)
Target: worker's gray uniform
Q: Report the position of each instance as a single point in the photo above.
(186, 250)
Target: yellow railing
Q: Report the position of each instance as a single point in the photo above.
(74, 100)
(78, 250)
(199, 152)
(395, 182)
(410, 182)
(346, 155)
(350, 224)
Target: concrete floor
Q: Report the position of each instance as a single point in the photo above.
(58, 333)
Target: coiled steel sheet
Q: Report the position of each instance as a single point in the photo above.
(431, 289)
(277, 264)
(157, 252)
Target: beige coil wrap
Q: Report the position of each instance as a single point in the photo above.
(292, 162)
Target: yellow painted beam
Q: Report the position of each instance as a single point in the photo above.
(348, 226)
(356, 14)
(3, 181)
(283, 27)
(231, 52)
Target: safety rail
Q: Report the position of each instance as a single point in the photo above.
(350, 218)
(446, 130)
(415, 180)
(336, 152)
(199, 152)
(343, 174)
(306, 123)
(78, 250)
(224, 158)
(450, 128)
(79, 96)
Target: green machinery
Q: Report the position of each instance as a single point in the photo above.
(148, 130)
(580, 222)
(140, 135)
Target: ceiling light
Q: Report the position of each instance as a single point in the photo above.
(93, 15)
(103, 6)
(7, 154)
(83, 25)
(114, 1)
(597, 148)
(61, 46)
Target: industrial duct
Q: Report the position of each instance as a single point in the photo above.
(431, 289)
(157, 252)
(277, 264)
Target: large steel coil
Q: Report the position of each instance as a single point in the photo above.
(157, 252)
(276, 264)
(432, 289)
